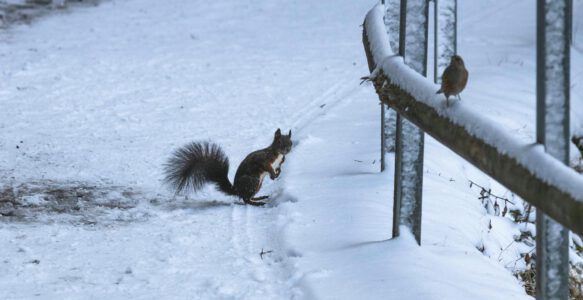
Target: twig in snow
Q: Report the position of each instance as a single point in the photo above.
(526, 259)
(486, 193)
(366, 79)
(264, 252)
(506, 248)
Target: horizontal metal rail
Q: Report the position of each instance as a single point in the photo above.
(535, 176)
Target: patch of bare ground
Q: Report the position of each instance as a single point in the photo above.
(74, 202)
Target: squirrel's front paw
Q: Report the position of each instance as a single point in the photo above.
(275, 174)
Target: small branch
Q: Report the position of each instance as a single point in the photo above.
(486, 193)
(521, 257)
(506, 248)
(264, 252)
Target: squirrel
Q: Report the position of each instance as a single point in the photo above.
(198, 163)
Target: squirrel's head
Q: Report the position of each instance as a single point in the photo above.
(282, 143)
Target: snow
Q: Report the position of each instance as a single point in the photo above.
(102, 96)
(377, 37)
(341, 224)
(97, 99)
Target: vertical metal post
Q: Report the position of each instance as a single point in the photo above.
(445, 41)
(383, 140)
(383, 146)
(409, 143)
(455, 27)
(570, 21)
(388, 116)
(392, 22)
(435, 41)
(553, 55)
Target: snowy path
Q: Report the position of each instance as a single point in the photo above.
(96, 100)
(181, 254)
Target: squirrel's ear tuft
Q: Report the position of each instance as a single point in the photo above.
(289, 133)
(278, 133)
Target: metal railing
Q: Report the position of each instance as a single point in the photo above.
(537, 172)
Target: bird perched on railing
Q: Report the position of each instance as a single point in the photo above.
(454, 78)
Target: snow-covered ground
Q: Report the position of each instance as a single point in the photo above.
(93, 103)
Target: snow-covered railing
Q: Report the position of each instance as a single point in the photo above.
(539, 177)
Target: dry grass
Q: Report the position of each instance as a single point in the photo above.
(576, 282)
(528, 279)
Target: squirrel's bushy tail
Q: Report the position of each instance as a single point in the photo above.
(197, 163)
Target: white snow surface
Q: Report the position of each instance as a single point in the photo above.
(97, 99)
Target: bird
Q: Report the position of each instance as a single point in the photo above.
(454, 78)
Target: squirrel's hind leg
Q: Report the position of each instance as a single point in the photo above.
(248, 186)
